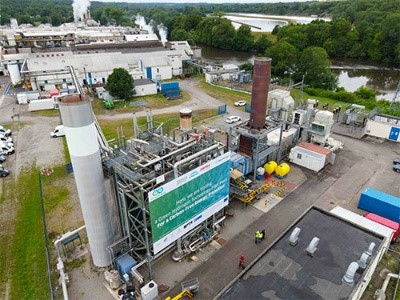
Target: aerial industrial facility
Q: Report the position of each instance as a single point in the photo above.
(160, 193)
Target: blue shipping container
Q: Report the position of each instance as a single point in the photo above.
(380, 203)
(167, 86)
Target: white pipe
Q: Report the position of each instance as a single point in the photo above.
(64, 236)
(189, 158)
(63, 278)
(60, 264)
(381, 294)
(174, 143)
(169, 154)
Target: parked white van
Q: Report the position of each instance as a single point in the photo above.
(58, 131)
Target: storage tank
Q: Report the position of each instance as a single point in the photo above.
(15, 75)
(270, 167)
(282, 170)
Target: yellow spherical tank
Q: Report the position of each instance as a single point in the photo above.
(282, 170)
(270, 167)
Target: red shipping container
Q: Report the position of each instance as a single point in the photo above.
(385, 222)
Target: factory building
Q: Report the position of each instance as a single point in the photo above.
(92, 52)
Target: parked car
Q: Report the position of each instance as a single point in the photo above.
(232, 119)
(5, 131)
(3, 171)
(6, 149)
(240, 103)
(396, 168)
(2, 158)
(5, 139)
(396, 161)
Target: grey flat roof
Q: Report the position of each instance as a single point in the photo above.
(286, 272)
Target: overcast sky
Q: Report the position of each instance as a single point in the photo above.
(203, 1)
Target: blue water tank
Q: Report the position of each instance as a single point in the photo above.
(124, 264)
(380, 203)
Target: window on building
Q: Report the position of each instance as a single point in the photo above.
(46, 82)
(299, 155)
(158, 70)
(64, 80)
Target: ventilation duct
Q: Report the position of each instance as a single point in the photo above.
(362, 262)
(351, 271)
(370, 249)
(294, 237)
(312, 247)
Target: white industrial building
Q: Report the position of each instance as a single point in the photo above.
(144, 87)
(383, 126)
(311, 156)
(92, 52)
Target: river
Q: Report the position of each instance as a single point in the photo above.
(351, 74)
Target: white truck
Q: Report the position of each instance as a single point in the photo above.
(58, 131)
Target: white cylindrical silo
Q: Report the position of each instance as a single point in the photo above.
(80, 131)
(14, 73)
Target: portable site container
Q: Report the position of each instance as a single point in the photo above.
(385, 222)
(380, 203)
(169, 86)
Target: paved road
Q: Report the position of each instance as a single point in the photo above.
(199, 99)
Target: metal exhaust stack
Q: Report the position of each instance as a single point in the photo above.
(259, 92)
(80, 131)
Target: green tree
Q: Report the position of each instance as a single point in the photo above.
(223, 35)
(314, 65)
(244, 40)
(283, 57)
(262, 44)
(120, 84)
(247, 66)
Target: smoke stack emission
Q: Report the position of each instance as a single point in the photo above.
(259, 92)
(80, 9)
(140, 20)
(163, 31)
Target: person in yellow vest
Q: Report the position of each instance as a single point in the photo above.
(258, 237)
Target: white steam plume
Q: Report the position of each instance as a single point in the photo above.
(139, 20)
(80, 8)
(163, 31)
(13, 23)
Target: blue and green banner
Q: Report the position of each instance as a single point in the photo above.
(183, 203)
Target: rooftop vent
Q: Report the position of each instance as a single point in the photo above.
(351, 271)
(362, 262)
(312, 247)
(294, 237)
(370, 249)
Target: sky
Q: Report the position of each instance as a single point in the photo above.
(203, 1)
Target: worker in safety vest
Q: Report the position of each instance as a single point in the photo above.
(258, 237)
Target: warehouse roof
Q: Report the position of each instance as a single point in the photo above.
(287, 272)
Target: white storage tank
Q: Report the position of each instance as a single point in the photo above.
(149, 291)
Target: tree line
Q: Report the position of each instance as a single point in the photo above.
(364, 29)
